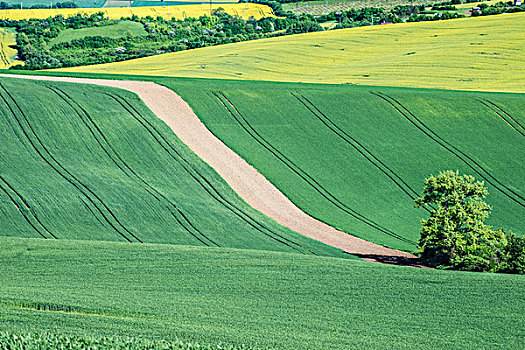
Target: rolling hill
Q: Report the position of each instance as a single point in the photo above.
(480, 53)
(356, 157)
(260, 299)
(93, 163)
(94, 168)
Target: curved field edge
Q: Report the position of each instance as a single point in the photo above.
(261, 299)
(120, 171)
(482, 53)
(356, 157)
(197, 93)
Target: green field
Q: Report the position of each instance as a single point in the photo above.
(93, 163)
(356, 157)
(360, 174)
(260, 299)
(45, 340)
(118, 30)
(115, 235)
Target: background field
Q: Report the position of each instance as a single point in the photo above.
(179, 2)
(80, 3)
(7, 54)
(356, 157)
(261, 299)
(468, 6)
(111, 3)
(118, 30)
(482, 53)
(92, 163)
(319, 7)
(179, 12)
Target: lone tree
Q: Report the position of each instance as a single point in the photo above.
(455, 236)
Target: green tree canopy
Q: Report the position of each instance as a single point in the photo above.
(455, 235)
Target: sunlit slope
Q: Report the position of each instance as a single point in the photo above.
(484, 53)
(260, 299)
(93, 163)
(179, 12)
(356, 157)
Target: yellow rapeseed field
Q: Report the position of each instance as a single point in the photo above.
(481, 53)
(179, 12)
(7, 37)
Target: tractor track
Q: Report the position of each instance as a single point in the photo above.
(116, 159)
(351, 141)
(3, 56)
(503, 115)
(249, 184)
(241, 120)
(471, 163)
(198, 177)
(49, 159)
(22, 203)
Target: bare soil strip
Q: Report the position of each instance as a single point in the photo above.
(254, 188)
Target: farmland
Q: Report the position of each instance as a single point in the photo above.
(7, 38)
(343, 170)
(122, 173)
(463, 54)
(118, 30)
(468, 6)
(260, 299)
(178, 2)
(359, 165)
(26, 4)
(116, 3)
(114, 234)
(319, 7)
(179, 12)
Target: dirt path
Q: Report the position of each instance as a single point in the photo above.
(242, 177)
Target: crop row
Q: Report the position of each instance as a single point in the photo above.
(115, 172)
(316, 185)
(469, 161)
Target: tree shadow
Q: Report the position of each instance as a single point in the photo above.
(393, 260)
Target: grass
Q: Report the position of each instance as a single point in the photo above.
(356, 157)
(260, 299)
(482, 53)
(98, 155)
(118, 30)
(179, 12)
(7, 53)
(30, 341)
